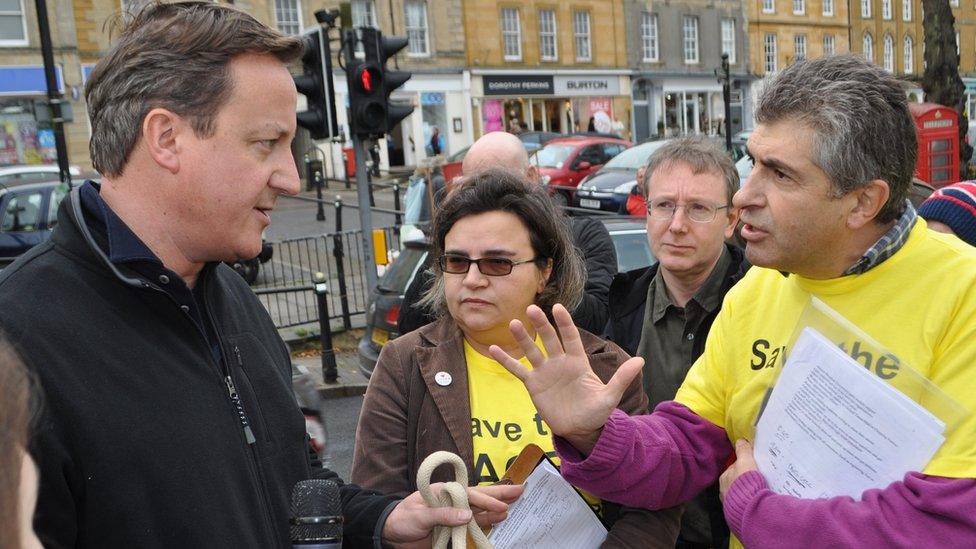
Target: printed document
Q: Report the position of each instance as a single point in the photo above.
(832, 428)
(549, 515)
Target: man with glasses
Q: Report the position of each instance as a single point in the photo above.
(663, 312)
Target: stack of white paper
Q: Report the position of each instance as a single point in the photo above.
(832, 428)
(549, 515)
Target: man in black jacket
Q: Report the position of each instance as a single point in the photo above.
(168, 418)
(663, 312)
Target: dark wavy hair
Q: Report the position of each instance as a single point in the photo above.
(501, 190)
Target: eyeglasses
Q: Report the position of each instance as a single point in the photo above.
(696, 211)
(488, 266)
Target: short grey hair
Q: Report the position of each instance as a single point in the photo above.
(859, 116)
(174, 56)
(699, 153)
(501, 190)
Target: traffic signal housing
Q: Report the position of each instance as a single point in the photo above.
(315, 83)
(371, 84)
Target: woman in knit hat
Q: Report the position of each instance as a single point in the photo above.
(952, 209)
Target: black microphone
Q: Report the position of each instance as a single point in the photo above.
(316, 515)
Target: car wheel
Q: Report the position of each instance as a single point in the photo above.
(248, 269)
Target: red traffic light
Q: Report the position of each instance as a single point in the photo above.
(369, 79)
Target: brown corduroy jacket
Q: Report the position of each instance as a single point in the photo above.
(407, 416)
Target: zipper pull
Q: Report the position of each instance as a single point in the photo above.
(236, 400)
(237, 353)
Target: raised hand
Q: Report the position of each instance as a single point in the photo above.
(568, 395)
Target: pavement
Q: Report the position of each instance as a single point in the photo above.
(303, 342)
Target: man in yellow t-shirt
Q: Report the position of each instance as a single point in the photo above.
(825, 215)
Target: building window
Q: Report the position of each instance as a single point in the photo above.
(888, 56)
(799, 7)
(828, 7)
(954, 3)
(547, 35)
(800, 47)
(512, 34)
(649, 36)
(867, 47)
(363, 13)
(288, 16)
(865, 9)
(416, 19)
(828, 44)
(769, 52)
(13, 24)
(886, 9)
(728, 38)
(769, 6)
(581, 30)
(906, 10)
(690, 34)
(909, 55)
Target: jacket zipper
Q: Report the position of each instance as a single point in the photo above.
(235, 399)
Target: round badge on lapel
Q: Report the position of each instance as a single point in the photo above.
(443, 379)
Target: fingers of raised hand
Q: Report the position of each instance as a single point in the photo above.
(548, 335)
(571, 341)
(624, 376)
(510, 364)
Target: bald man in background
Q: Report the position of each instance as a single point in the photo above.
(504, 150)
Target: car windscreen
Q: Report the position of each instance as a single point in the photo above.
(399, 274)
(633, 251)
(634, 157)
(553, 156)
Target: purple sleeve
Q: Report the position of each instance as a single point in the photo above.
(920, 511)
(652, 461)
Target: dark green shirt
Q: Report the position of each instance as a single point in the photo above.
(670, 345)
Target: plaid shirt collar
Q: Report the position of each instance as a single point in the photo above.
(888, 244)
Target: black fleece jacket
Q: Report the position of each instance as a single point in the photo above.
(139, 443)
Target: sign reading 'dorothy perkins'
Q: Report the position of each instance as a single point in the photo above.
(518, 84)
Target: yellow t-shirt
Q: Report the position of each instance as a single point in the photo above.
(503, 418)
(920, 304)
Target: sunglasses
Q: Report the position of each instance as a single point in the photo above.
(488, 266)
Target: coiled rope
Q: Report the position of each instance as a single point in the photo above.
(453, 494)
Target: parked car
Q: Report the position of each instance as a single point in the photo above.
(608, 188)
(564, 162)
(629, 239)
(28, 213)
(32, 173)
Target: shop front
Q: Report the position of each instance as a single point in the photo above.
(24, 137)
(557, 102)
(671, 106)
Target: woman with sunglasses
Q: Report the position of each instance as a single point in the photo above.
(500, 245)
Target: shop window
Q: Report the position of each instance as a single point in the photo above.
(728, 38)
(288, 16)
(547, 35)
(581, 31)
(511, 34)
(416, 17)
(690, 34)
(13, 26)
(828, 8)
(22, 140)
(649, 43)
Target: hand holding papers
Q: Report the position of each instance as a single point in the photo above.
(832, 428)
(550, 514)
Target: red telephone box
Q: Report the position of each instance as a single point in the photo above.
(938, 143)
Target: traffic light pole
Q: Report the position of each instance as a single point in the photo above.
(365, 214)
(53, 95)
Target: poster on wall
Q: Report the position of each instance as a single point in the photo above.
(601, 111)
(493, 113)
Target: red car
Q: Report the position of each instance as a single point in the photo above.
(564, 162)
